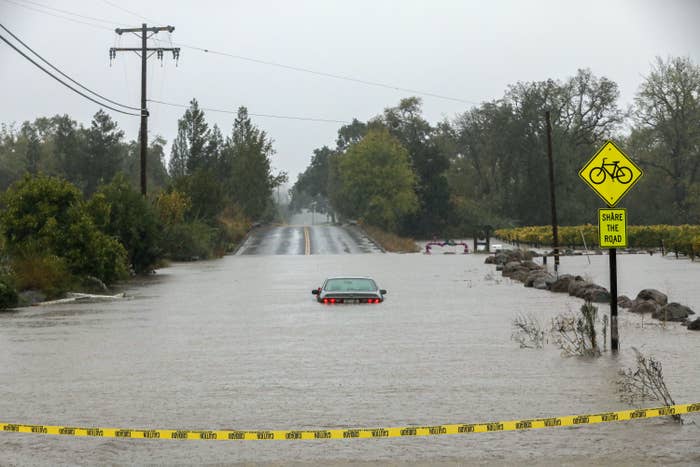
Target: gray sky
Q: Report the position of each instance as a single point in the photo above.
(470, 50)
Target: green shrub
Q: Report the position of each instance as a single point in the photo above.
(8, 294)
(46, 216)
(233, 226)
(131, 219)
(47, 273)
(189, 241)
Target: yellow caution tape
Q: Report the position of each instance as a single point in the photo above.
(219, 435)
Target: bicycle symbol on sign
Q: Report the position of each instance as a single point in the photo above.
(622, 174)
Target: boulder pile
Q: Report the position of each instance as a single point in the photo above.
(518, 265)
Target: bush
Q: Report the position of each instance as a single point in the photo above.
(189, 241)
(8, 294)
(47, 216)
(131, 219)
(48, 273)
(233, 226)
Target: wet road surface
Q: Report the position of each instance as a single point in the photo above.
(324, 239)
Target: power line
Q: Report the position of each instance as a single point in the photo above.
(234, 112)
(62, 82)
(249, 59)
(65, 75)
(41, 5)
(114, 5)
(93, 25)
(329, 75)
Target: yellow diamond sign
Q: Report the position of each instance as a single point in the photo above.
(610, 173)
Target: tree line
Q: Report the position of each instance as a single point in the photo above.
(487, 167)
(71, 210)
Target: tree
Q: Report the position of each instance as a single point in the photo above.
(375, 181)
(499, 159)
(406, 123)
(189, 148)
(248, 154)
(312, 185)
(32, 152)
(156, 173)
(68, 148)
(104, 152)
(667, 133)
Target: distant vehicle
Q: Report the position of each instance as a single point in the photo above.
(349, 290)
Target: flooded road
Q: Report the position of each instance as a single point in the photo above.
(239, 343)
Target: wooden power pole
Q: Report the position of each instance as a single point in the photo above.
(555, 227)
(144, 33)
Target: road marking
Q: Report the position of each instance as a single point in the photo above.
(307, 242)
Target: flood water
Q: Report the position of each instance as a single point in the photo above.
(238, 343)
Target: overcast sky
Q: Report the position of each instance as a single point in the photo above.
(467, 50)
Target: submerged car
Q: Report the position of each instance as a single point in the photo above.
(349, 290)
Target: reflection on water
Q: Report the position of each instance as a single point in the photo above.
(239, 343)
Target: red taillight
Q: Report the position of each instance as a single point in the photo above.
(332, 300)
(325, 300)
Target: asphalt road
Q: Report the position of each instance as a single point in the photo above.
(324, 239)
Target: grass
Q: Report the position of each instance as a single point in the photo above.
(391, 242)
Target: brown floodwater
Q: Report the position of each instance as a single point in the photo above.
(239, 343)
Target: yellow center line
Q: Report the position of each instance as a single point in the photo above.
(307, 242)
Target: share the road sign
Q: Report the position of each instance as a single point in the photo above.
(610, 173)
(612, 228)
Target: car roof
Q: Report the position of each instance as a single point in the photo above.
(349, 277)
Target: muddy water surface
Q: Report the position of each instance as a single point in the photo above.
(238, 343)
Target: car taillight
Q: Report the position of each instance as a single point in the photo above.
(325, 300)
(332, 300)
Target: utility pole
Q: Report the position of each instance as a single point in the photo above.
(145, 53)
(555, 227)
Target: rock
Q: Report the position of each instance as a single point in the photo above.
(672, 312)
(694, 325)
(644, 306)
(623, 301)
(531, 265)
(576, 287)
(529, 254)
(499, 267)
(562, 283)
(501, 258)
(490, 260)
(540, 276)
(652, 294)
(510, 267)
(544, 282)
(520, 275)
(597, 294)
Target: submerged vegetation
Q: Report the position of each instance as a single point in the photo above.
(645, 382)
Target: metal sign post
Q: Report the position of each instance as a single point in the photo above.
(611, 174)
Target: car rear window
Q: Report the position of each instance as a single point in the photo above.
(350, 285)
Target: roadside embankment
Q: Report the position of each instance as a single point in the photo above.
(389, 241)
